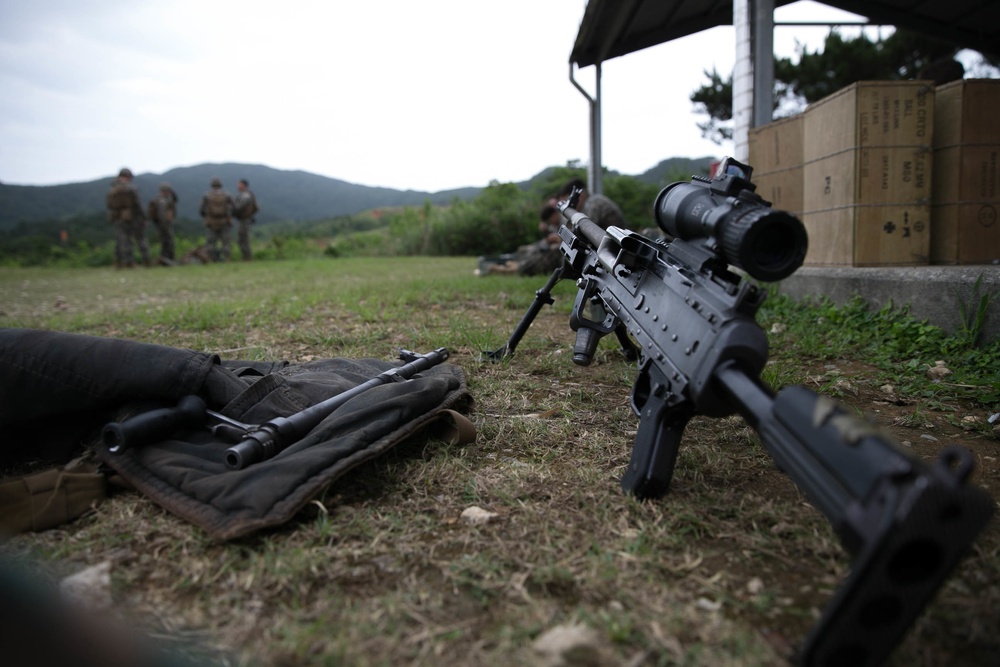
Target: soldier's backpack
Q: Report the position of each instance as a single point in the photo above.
(58, 390)
(119, 198)
(217, 204)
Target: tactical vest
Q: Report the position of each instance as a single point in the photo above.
(247, 206)
(168, 207)
(217, 204)
(119, 197)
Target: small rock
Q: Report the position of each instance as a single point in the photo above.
(782, 528)
(938, 371)
(970, 423)
(567, 645)
(755, 586)
(477, 515)
(707, 605)
(89, 588)
(845, 386)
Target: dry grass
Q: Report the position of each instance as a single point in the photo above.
(730, 568)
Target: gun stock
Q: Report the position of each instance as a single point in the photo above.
(906, 523)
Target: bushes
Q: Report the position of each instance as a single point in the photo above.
(375, 243)
(499, 220)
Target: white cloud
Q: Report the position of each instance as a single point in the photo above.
(424, 95)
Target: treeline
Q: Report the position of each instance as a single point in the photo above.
(501, 218)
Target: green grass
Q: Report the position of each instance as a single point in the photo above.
(325, 305)
(381, 570)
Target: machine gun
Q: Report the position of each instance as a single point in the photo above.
(905, 522)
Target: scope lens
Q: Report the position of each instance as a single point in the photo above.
(769, 245)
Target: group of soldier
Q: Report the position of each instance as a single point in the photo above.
(218, 209)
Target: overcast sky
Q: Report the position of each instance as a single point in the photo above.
(425, 95)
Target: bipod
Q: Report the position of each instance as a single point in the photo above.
(543, 297)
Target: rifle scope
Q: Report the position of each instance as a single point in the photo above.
(766, 243)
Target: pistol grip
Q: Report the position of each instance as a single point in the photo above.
(655, 451)
(154, 425)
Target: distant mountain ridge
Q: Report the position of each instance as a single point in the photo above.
(282, 195)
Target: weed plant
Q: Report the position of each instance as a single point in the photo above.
(901, 348)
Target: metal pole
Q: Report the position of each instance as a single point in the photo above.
(763, 61)
(594, 184)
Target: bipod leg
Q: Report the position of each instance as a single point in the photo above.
(543, 297)
(629, 349)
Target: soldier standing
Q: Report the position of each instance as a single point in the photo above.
(125, 213)
(244, 208)
(162, 211)
(217, 208)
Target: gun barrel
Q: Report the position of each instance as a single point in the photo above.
(272, 437)
(584, 226)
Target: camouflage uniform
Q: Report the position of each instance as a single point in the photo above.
(533, 259)
(125, 213)
(244, 209)
(217, 208)
(543, 256)
(162, 211)
(604, 212)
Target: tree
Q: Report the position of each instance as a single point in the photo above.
(902, 55)
(715, 99)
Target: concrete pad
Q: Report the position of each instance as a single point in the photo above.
(933, 293)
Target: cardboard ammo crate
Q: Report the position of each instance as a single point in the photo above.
(965, 228)
(775, 152)
(867, 175)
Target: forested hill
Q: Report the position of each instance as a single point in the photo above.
(282, 195)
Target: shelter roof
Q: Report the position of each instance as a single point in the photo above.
(612, 28)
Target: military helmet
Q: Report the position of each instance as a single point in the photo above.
(216, 183)
(125, 173)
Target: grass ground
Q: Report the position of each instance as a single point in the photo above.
(731, 568)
